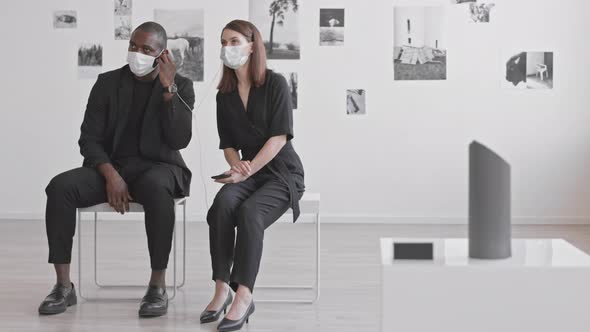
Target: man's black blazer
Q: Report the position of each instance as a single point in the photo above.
(166, 127)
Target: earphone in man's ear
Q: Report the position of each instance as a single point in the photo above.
(156, 59)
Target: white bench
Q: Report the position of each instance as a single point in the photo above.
(133, 207)
(309, 204)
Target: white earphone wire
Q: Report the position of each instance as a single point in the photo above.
(206, 93)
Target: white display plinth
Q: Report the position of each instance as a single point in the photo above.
(545, 286)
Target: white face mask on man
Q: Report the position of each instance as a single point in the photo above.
(141, 64)
(234, 56)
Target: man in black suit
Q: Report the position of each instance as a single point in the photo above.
(136, 120)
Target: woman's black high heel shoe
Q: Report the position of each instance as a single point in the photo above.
(208, 316)
(234, 325)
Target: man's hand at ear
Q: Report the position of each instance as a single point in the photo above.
(167, 72)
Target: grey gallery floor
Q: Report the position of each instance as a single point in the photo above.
(349, 301)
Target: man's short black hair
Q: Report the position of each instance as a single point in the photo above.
(157, 29)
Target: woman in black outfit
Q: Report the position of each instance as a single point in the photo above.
(254, 117)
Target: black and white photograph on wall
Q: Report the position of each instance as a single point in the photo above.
(122, 19)
(122, 27)
(540, 70)
(65, 19)
(185, 29)
(529, 70)
(355, 102)
(292, 82)
(458, 2)
(480, 12)
(278, 23)
(331, 27)
(123, 7)
(419, 43)
(516, 67)
(89, 60)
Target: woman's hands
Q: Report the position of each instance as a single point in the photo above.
(235, 177)
(242, 167)
(239, 172)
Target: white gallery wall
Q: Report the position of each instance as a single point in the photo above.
(404, 162)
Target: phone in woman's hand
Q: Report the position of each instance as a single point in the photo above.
(221, 176)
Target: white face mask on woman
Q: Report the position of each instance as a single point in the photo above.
(234, 56)
(141, 64)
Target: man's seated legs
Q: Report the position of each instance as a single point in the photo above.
(66, 192)
(155, 190)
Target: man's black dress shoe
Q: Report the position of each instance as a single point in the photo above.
(208, 316)
(234, 325)
(58, 300)
(154, 303)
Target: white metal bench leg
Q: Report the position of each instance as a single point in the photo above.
(175, 285)
(315, 286)
(183, 245)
